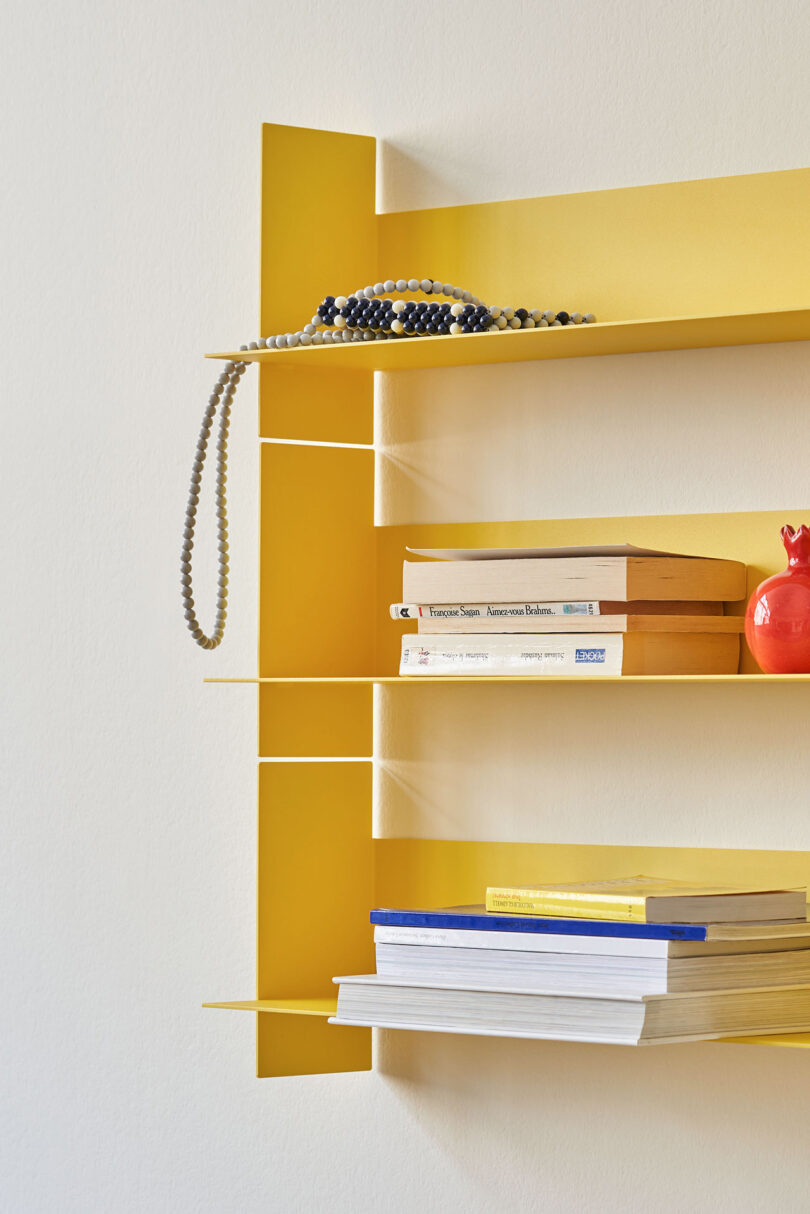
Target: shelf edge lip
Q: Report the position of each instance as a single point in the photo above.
(507, 678)
(282, 1007)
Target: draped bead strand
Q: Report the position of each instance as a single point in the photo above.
(367, 315)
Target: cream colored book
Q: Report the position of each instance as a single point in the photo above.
(617, 573)
(595, 655)
(733, 625)
(651, 900)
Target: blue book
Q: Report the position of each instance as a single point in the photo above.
(476, 918)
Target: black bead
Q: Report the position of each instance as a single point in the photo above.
(443, 329)
(563, 318)
(346, 311)
(409, 326)
(478, 327)
(351, 301)
(362, 323)
(466, 328)
(420, 326)
(430, 327)
(521, 313)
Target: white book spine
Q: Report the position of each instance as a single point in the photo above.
(512, 654)
(488, 611)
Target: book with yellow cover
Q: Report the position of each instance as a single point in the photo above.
(651, 900)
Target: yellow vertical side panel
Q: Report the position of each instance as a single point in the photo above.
(311, 721)
(306, 174)
(749, 537)
(317, 561)
(721, 245)
(321, 406)
(315, 885)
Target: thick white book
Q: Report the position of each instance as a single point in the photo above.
(522, 654)
(559, 1015)
(589, 973)
(747, 938)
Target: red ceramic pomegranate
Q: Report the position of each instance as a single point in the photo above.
(777, 621)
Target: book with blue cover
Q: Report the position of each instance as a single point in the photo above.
(477, 918)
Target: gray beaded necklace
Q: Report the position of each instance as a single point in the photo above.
(338, 319)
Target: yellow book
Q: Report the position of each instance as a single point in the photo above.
(651, 900)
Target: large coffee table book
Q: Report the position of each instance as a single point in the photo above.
(666, 267)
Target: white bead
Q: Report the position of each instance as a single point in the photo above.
(589, 318)
(317, 320)
(528, 323)
(437, 288)
(475, 300)
(397, 326)
(327, 337)
(389, 285)
(368, 292)
(398, 305)
(379, 288)
(281, 341)
(514, 323)
(542, 323)
(494, 311)
(447, 289)
(556, 324)
(509, 313)
(310, 329)
(306, 339)
(340, 321)
(535, 314)
(317, 339)
(466, 296)
(501, 322)
(457, 292)
(456, 309)
(401, 284)
(455, 327)
(292, 339)
(576, 317)
(549, 316)
(413, 284)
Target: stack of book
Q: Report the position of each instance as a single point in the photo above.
(631, 962)
(570, 611)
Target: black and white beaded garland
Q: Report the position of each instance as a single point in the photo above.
(367, 315)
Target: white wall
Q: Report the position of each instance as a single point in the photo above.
(130, 160)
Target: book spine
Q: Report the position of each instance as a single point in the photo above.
(626, 909)
(512, 654)
(488, 611)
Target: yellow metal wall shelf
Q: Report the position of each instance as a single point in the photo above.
(527, 345)
(397, 680)
(689, 264)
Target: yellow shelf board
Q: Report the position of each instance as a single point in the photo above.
(799, 1041)
(530, 345)
(288, 1007)
(422, 680)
